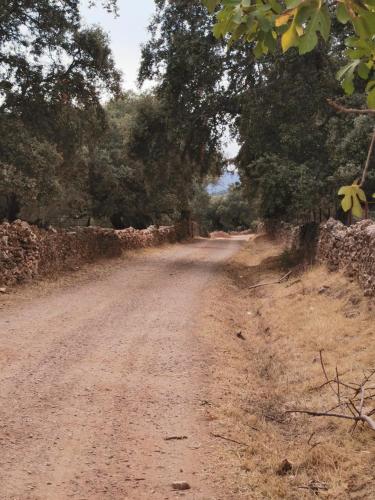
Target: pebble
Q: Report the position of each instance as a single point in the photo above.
(181, 485)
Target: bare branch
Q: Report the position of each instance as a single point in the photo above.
(229, 439)
(277, 282)
(342, 109)
(351, 399)
(338, 385)
(362, 400)
(325, 373)
(367, 164)
(323, 414)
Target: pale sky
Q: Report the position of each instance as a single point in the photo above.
(127, 33)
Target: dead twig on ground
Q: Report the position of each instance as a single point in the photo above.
(175, 438)
(277, 282)
(314, 486)
(229, 439)
(298, 280)
(351, 399)
(274, 419)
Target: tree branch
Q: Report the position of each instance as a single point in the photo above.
(277, 282)
(351, 405)
(342, 109)
(367, 164)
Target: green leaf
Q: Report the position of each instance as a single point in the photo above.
(211, 4)
(324, 22)
(342, 14)
(307, 42)
(370, 85)
(293, 3)
(369, 20)
(319, 21)
(348, 85)
(217, 30)
(371, 98)
(270, 42)
(346, 76)
(276, 7)
(360, 27)
(258, 50)
(363, 70)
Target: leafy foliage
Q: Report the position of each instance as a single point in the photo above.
(187, 64)
(136, 177)
(227, 212)
(352, 197)
(53, 73)
(300, 24)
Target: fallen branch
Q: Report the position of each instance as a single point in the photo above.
(350, 399)
(298, 280)
(313, 486)
(229, 439)
(359, 418)
(277, 282)
(174, 438)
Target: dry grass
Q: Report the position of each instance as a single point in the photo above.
(277, 368)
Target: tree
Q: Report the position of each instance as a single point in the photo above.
(292, 134)
(28, 168)
(134, 179)
(227, 212)
(300, 23)
(53, 73)
(47, 57)
(187, 63)
(298, 26)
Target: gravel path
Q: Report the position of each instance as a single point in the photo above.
(95, 376)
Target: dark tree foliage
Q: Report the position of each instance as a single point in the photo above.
(295, 150)
(53, 73)
(226, 212)
(134, 179)
(187, 63)
(47, 57)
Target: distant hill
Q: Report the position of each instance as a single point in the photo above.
(223, 184)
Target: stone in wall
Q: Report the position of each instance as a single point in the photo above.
(28, 251)
(351, 249)
(19, 252)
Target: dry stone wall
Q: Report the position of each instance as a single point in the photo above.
(27, 251)
(288, 234)
(351, 249)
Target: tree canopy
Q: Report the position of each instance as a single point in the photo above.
(144, 158)
(300, 24)
(53, 73)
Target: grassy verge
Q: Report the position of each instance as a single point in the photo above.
(266, 344)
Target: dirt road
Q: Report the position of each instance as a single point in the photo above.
(95, 376)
